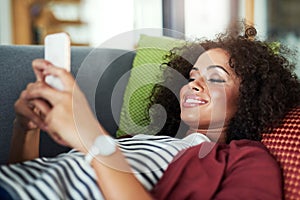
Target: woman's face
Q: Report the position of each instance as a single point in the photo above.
(210, 98)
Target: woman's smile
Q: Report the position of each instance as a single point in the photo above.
(191, 100)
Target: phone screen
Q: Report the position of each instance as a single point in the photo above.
(57, 50)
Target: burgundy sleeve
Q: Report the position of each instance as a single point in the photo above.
(242, 170)
(251, 173)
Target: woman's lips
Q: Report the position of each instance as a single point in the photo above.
(193, 101)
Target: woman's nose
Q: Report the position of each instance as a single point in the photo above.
(197, 85)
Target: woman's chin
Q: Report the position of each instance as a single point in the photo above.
(194, 125)
(193, 119)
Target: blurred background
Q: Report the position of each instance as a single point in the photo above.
(92, 22)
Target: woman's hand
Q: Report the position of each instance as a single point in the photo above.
(29, 117)
(26, 133)
(70, 121)
(39, 71)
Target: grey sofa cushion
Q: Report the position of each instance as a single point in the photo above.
(97, 71)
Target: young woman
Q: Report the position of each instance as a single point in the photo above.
(238, 88)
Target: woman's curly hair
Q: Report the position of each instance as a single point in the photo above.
(268, 87)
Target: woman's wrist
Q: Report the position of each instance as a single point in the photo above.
(103, 145)
(20, 128)
(87, 135)
(24, 143)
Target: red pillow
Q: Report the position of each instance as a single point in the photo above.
(284, 144)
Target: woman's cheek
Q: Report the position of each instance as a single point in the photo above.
(183, 91)
(218, 95)
(224, 101)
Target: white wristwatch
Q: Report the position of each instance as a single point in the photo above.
(104, 145)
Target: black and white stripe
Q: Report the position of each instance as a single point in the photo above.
(69, 176)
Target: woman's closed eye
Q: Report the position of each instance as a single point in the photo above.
(215, 78)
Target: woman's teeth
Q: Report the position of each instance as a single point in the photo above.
(195, 101)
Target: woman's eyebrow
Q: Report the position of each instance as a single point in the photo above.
(218, 66)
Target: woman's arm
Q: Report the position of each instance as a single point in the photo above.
(24, 144)
(26, 134)
(25, 139)
(116, 179)
(71, 122)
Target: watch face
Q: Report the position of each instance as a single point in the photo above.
(105, 145)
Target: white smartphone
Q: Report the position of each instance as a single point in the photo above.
(57, 51)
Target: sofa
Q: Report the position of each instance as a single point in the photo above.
(98, 72)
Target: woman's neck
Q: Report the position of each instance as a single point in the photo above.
(214, 134)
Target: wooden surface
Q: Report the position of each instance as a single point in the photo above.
(22, 33)
(29, 28)
(249, 12)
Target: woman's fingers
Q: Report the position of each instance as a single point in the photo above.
(41, 90)
(39, 65)
(26, 116)
(32, 125)
(42, 106)
(60, 109)
(42, 68)
(65, 76)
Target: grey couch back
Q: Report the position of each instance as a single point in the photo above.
(99, 72)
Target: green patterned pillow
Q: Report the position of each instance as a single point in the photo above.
(145, 73)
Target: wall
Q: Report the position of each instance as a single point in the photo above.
(5, 22)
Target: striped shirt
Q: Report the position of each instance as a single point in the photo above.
(69, 176)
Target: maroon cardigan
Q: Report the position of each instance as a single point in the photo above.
(241, 170)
